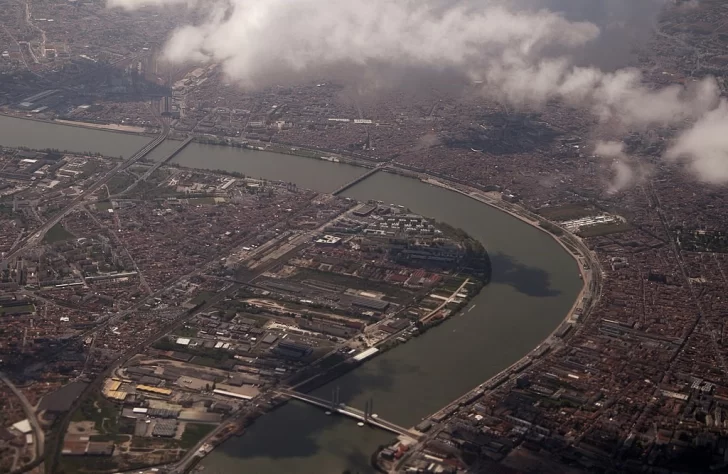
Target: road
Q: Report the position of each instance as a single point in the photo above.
(449, 300)
(53, 449)
(183, 464)
(353, 413)
(155, 167)
(700, 312)
(36, 236)
(590, 270)
(29, 410)
(120, 243)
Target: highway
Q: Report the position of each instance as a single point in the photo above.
(168, 157)
(156, 166)
(53, 449)
(37, 236)
(589, 268)
(38, 435)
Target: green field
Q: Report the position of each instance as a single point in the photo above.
(119, 183)
(57, 233)
(28, 308)
(194, 432)
(452, 283)
(206, 361)
(202, 297)
(185, 331)
(117, 438)
(102, 412)
(90, 167)
(566, 212)
(604, 229)
(82, 464)
(260, 321)
(203, 200)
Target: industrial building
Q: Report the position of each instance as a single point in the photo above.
(292, 350)
(165, 428)
(370, 303)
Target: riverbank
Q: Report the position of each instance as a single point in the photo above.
(302, 152)
(587, 266)
(514, 210)
(113, 128)
(585, 297)
(392, 341)
(523, 215)
(270, 147)
(473, 195)
(533, 287)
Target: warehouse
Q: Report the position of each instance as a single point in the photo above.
(370, 303)
(225, 393)
(165, 428)
(292, 350)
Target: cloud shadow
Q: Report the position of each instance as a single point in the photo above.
(528, 280)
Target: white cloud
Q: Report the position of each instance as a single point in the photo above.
(705, 146)
(257, 37)
(624, 174)
(609, 149)
(524, 58)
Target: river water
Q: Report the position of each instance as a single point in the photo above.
(534, 284)
(41, 135)
(305, 172)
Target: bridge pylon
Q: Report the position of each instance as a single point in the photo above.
(335, 394)
(368, 409)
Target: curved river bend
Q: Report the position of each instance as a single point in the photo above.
(534, 284)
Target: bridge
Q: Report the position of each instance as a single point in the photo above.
(37, 236)
(364, 416)
(143, 152)
(154, 168)
(359, 179)
(167, 159)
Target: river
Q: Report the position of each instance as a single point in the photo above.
(534, 284)
(15, 132)
(305, 172)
